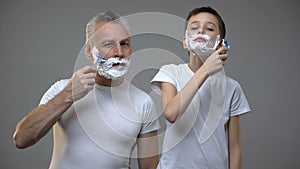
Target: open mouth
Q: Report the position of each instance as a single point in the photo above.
(118, 64)
(114, 63)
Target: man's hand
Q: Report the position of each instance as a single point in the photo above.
(216, 61)
(40, 120)
(82, 82)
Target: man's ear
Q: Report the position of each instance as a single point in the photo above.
(88, 52)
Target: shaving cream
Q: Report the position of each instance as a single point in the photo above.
(106, 68)
(204, 48)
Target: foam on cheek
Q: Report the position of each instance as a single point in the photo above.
(105, 66)
(204, 48)
(95, 53)
(203, 44)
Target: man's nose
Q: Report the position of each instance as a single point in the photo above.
(118, 50)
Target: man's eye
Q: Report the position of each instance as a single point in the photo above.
(108, 45)
(124, 43)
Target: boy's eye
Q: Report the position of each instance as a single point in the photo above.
(210, 29)
(194, 28)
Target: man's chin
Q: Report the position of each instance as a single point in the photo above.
(113, 74)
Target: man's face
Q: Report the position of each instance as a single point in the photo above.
(111, 44)
(112, 40)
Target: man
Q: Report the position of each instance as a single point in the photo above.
(92, 127)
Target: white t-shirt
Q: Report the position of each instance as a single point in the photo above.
(100, 130)
(182, 148)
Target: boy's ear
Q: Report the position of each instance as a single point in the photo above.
(184, 43)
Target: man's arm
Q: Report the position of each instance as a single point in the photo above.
(234, 143)
(40, 120)
(148, 150)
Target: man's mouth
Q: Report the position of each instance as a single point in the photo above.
(118, 64)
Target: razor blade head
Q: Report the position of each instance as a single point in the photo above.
(225, 43)
(100, 60)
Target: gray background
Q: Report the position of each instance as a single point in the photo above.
(40, 41)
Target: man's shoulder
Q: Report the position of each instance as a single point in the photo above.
(55, 88)
(138, 96)
(61, 82)
(137, 92)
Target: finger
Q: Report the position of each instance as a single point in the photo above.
(88, 69)
(90, 75)
(223, 57)
(222, 50)
(90, 81)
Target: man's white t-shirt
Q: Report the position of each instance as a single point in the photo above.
(100, 130)
(182, 148)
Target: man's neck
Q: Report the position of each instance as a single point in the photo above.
(100, 80)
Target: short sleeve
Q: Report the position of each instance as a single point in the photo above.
(239, 103)
(53, 90)
(163, 75)
(150, 117)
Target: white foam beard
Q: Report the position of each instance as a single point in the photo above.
(108, 69)
(202, 49)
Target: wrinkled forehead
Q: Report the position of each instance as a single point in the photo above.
(110, 31)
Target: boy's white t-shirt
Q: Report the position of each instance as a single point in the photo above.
(97, 131)
(181, 147)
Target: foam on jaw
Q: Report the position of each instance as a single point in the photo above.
(204, 48)
(105, 66)
(109, 71)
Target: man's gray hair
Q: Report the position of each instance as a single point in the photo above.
(103, 17)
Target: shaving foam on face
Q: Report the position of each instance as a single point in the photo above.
(203, 48)
(202, 44)
(97, 59)
(109, 70)
(95, 53)
(112, 68)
